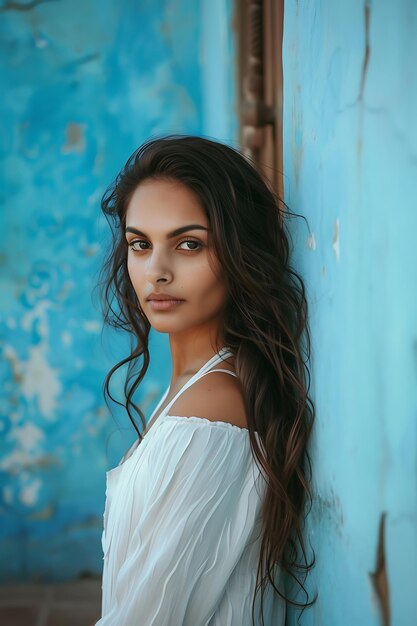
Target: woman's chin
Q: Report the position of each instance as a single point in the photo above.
(164, 326)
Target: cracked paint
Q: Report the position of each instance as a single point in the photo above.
(379, 577)
(36, 378)
(367, 49)
(91, 326)
(349, 85)
(27, 436)
(84, 89)
(311, 241)
(336, 241)
(75, 138)
(29, 493)
(40, 380)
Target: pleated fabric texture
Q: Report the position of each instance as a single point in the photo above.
(182, 528)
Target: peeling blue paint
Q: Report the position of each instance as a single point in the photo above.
(86, 84)
(350, 147)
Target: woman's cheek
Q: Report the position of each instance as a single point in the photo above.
(134, 274)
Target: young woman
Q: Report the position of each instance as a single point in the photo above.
(206, 509)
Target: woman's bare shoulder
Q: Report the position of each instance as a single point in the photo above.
(216, 396)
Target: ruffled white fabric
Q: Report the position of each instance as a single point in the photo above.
(182, 525)
(182, 530)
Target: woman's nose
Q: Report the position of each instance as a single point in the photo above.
(157, 267)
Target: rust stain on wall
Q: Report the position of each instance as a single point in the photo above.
(367, 50)
(44, 514)
(379, 577)
(365, 65)
(75, 139)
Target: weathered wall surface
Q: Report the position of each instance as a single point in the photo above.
(350, 152)
(84, 83)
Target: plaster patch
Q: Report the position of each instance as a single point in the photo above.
(92, 249)
(94, 198)
(28, 436)
(65, 289)
(29, 493)
(14, 417)
(39, 292)
(336, 240)
(41, 380)
(101, 412)
(91, 326)
(11, 322)
(15, 459)
(311, 242)
(38, 311)
(75, 138)
(44, 514)
(36, 378)
(41, 43)
(18, 460)
(10, 355)
(66, 338)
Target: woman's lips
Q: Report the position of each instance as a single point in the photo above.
(164, 305)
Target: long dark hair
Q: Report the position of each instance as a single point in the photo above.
(265, 324)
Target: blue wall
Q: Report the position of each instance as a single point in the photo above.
(350, 162)
(84, 83)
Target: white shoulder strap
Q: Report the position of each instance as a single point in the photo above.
(217, 358)
(219, 370)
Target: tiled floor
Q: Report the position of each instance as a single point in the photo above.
(62, 604)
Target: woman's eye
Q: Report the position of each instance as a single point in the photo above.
(137, 242)
(136, 245)
(195, 243)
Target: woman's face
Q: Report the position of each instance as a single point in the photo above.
(180, 265)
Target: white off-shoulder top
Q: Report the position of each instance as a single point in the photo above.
(182, 525)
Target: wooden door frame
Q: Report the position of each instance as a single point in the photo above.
(260, 85)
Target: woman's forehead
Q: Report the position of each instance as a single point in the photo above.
(164, 203)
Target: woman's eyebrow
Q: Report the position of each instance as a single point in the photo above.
(173, 233)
